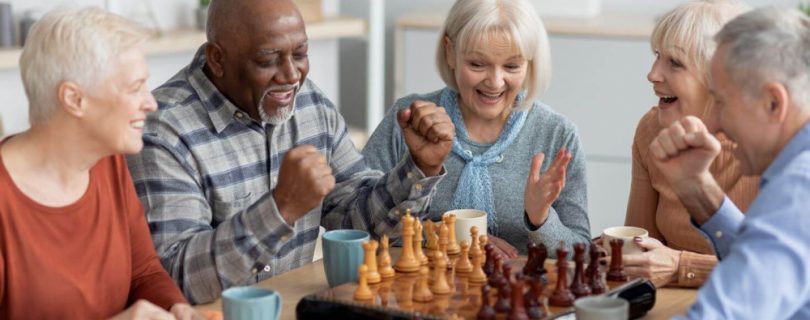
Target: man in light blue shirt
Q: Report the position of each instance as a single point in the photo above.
(760, 79)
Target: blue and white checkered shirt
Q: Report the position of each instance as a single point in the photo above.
(206, 174)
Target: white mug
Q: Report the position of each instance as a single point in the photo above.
(601, 308)
(626, 234)
(466, 219)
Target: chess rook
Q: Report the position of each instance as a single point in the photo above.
(370, 250)
(616, 271)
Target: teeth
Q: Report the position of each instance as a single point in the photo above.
(137, 124)
(490, 95)
(668, 97)
(281, 94)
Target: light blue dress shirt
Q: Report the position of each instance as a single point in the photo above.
(764, 272)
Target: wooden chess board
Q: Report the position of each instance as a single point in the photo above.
(393, 297)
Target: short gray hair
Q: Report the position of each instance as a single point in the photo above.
(769, 44)
(473, 23)
(690, 27)
(77, 45)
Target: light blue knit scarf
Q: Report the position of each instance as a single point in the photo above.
(474, 189)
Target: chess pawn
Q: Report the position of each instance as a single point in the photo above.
(579, 285)
(477, 275)
(530, 268)
(407, 261)
(534, 307)
(384, 260)
(422, 292)
(370, 249)
(486, 312)
(440, 286)
(594, 276)
(488, 261)
(562, 296)
(616, 271)
(463, 264)
(452, 244)
(518, 311)
(363, 292)
(444, 241)
(482, 243)
(417, 244)
(496, 277)
(474, 247)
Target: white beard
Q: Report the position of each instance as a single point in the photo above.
(280, 116)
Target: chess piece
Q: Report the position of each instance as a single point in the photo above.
(518, 311)
(407, 262)
(482, 242)
(477, 275)
(463, 264)
(496, 277)
(370, 250)
(486, 312)
(440, 286)
(541, 255)
(562, 296)
(534, 307)
(417, 244)
(432, 242)
(384, 292)
(489, 263)
(507, 273)
(422, 292)
(503, 304)
(594, 276)
(384, 260)
(530, 268)
(452, 244)
(444, 241)
(363, 292)
(579, 285)
(616, 271)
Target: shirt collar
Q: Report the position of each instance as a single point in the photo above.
(796, 145)
(219, 108)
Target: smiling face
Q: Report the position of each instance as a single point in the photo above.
(489, 78)
(116, 110)
(680, 90)
(264, 62)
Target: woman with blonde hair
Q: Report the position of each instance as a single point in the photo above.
(74, 243)
(676, 252)
(494, 57)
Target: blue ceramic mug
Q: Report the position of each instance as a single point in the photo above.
(251, 303)
(342, 254)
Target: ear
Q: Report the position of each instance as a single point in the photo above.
(213, 59)
(71, 98)
(449, 52)
(778, 101)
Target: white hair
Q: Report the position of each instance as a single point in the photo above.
(769, 44)
(76, 45)
(690, 26)
(472, 24)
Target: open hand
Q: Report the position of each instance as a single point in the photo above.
(502, 247)
(542, 190)
(658, 262)
(429, 134)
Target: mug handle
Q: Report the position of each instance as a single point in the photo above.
(278, 306)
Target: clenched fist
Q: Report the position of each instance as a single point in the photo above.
(429, 134)
(304, 179)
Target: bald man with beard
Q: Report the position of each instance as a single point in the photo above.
(245, 158)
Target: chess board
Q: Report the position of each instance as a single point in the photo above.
(393, 299)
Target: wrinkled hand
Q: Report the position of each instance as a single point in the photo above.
(502, 247)
(184, 311)
(304, 179)
(658, 262)
(143, 310)
(684, 151)
(542, 190)
(429, 134)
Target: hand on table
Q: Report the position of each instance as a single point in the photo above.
(502, 247)
(429, 134)
(184, 311)
(658, 262)
(542, 190)
(143, 310)
(304, 179)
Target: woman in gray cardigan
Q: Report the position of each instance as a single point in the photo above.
(494, 58)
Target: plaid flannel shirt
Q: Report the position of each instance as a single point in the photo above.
(206, 174)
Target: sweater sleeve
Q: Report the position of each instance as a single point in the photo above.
(149, 280)
(643, 201)
(694, 269)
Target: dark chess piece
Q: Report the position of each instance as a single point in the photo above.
(496, 277)
(531, 262)
(518, 311)
(507, 273)
(486, 312)
(562, 296)
(534, 306)
(503, 304)
(579, 285)
(616, 271)
(541, 255)
(593, 274)
(489, 263)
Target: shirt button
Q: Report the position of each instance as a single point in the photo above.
(285, 238)
(418, 186)
(410, 175)
(274, 180)
(239, 115)
(718, 234)
(266, 269)
(690, 275)
(254, 270)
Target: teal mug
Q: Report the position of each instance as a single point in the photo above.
(251, 303)
(342, 254)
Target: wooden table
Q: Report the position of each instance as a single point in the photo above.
(311, 278)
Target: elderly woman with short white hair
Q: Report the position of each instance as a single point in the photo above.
(676, 253)
(74, 243)
(513, 157)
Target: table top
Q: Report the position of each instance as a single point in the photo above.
(311, 278)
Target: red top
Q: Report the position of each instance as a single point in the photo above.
(88, 260)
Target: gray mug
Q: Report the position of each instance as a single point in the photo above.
(251, 303)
